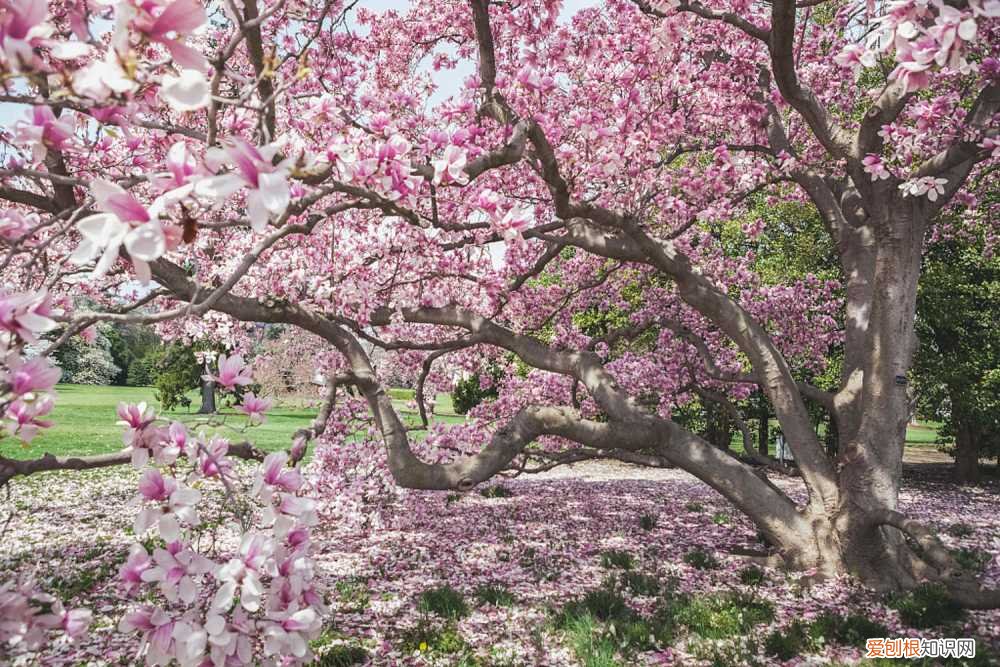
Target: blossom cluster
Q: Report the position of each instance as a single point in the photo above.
(26, 384)
(198, 607)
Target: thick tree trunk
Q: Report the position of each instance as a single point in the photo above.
(207, 397)
(966, 452)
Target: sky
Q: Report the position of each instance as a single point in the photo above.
(448, 81)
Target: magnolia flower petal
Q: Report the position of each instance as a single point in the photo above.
(146, 242)
(274, 190)
(257, 211)
(187, 92)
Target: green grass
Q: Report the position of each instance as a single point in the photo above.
(923, 434)
(84, 421)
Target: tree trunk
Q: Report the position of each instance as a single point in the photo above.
(763, 428)
(966, 452)
(207, 397)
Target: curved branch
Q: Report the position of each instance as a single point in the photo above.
(11, 468)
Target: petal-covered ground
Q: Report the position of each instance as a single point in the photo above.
(599, 565)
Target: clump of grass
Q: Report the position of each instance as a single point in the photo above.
(641, 584)
(617, 559)
(332, 651)
(751, 575)
(647, 522)
(788, 642)
(926, 606)
(720, 518)
(960, 529)
(694, 506)
(799, 638)
(444, 601)
(342, 655)
(427, 638)
(722, 615)
(972, 560)
(851, 630)
(591, 645)
(353, 594)
(495, 594)
(701, 559)
(496, 491)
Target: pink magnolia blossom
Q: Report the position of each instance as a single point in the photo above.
(126, 222)
(168, 23)
(855, 57)
(135, 417)
(157, 628)
(130, 573)
(952, 29)
(103, 79)
(173, 504)
(927, 185)
(89, 334)
(269, 194)
(232, 372)
(15, 226)
(22, 27)
(73, 622)
(274, 474)
(289, 632)
(42, 131)
(24, 622)
(873, 165)
(451, 167)
(187, 91)
(182, 169)
(212, 459)
(177, 570)
(35, 375)
(24, 418)
(26, 314)
(243, 574)
(254, 408)
(514, 222)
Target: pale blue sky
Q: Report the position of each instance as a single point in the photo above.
(448, 81)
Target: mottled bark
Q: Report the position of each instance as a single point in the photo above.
(207, 397)
(967, 444)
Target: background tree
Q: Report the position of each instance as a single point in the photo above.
(130, 345)
(86, 361)
(320, 185)
(958, 363)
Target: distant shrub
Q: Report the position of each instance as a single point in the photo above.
(647, 522)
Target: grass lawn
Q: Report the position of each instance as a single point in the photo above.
(921, 434)
(85, 418)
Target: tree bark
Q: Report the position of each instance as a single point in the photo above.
(966, 452)
(207, 397)
(763, 428)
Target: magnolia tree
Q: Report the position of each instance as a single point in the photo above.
(557, 215)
